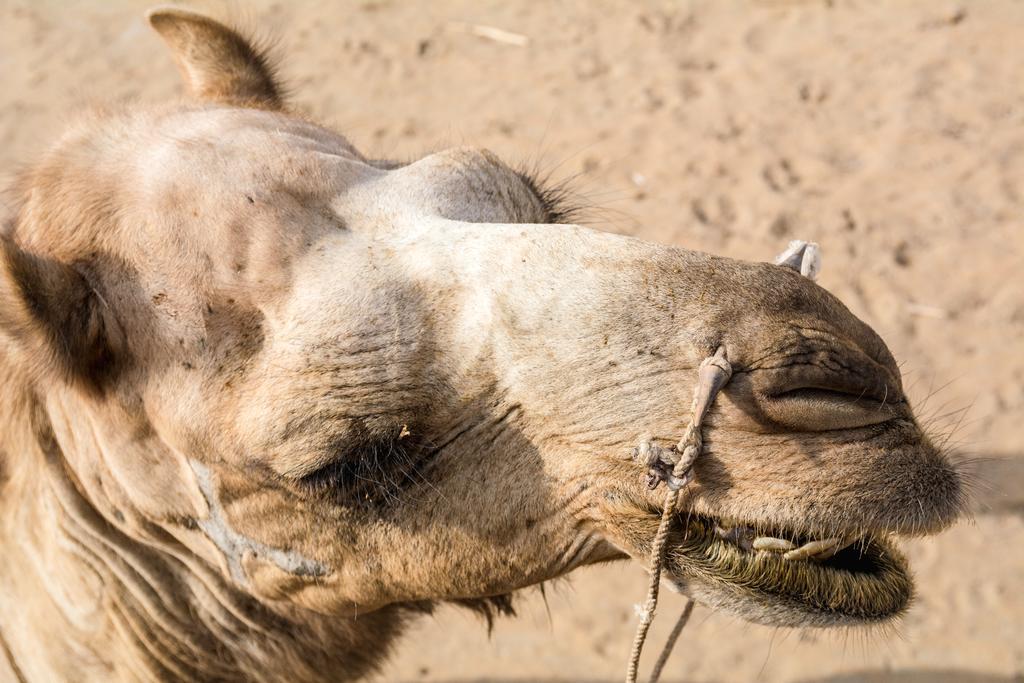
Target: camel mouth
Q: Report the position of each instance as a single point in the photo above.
(786, 577)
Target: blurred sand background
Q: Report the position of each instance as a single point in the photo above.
(890, 132)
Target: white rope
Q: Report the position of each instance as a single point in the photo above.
(713, 374)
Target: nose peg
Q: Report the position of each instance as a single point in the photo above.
(803, 257)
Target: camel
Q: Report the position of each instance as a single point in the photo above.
(266, 400)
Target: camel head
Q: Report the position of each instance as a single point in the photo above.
(339, 384)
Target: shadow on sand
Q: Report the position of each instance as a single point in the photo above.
(998, 485)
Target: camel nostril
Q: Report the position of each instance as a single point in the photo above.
(866, 396)
(813, 408)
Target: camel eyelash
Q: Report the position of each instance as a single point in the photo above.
(378, 471)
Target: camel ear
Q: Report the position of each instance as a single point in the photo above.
(51, 314)
(217, 63)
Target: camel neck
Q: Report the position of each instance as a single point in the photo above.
(87, 600)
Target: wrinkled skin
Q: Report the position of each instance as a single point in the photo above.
(264, 399)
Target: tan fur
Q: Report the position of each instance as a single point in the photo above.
(217, 63)
(263, 399)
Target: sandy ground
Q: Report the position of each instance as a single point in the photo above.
(891, 133)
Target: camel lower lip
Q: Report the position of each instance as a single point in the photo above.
(860, 580)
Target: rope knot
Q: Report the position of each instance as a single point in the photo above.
(674, 465)
(643, 613)
(661, 465)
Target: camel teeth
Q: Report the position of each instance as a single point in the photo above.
(747, 539)
(774, 545)
(817, 550)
